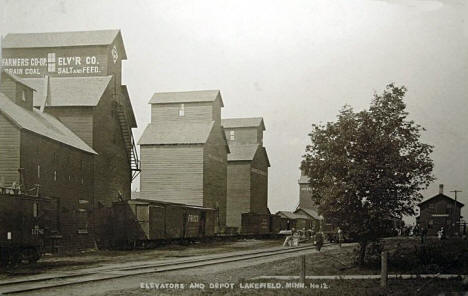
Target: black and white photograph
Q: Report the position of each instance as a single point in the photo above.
(233, 147)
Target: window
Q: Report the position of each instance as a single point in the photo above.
(232, 135)
(55, 175)
(182, 110)
(35, 210)
(448, 208)
(38, 171)
(51, 62)
(23, 95)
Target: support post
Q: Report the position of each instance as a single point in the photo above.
(384, 271)
(302, 261)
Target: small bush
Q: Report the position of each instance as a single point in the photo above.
(448, 256)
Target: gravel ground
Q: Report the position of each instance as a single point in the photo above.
(237, 279)
(97, 258)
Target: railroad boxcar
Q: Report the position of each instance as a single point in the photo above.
(278, 223)
(27, 224)
(142, 221)
(255, 224)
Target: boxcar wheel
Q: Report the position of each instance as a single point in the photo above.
(28, 255)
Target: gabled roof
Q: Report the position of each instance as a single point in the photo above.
(443, 196)
(176, 133)
(243, 122)
(186, 97)
(16, 79)
(60, 39)
(42, 124)
(159, 202)
(291, 215)
(310, 212)
(242, 152)
(304, 180)
(246, 152)
(69, 91)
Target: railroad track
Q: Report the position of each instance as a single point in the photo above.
(109, 273)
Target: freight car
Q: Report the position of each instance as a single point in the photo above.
(255, 224)
(27, 225)
(145, 223)
(262, 225)
(278, 223)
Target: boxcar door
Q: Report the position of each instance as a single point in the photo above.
(142, 215)
(157, 222)
(185, 225)
(202, 224)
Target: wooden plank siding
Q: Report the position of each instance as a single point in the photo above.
(109, 173)
(200, 111)
(8, 87)
(112, 167)
(439, 211)
(259, 183)
(9, 152)
(100, 52)
(78, 119)
(172, 173)
(64, 173)
(216, 117)
(238, 192)
(245, 135)
(305, 197)
(215, 173)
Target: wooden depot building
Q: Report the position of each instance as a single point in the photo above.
(184, 151)
(440, 211)
(247, 177)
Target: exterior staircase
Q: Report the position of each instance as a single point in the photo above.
(129, 141)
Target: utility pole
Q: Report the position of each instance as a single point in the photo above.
(454, 209)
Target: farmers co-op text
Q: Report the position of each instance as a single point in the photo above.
(53, 64)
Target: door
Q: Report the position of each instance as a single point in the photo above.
(202, 224)
(157, 223)
(142, 215)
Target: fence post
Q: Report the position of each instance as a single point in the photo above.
(384, 271)
(302, 261)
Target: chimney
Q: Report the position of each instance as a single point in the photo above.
(441, 189)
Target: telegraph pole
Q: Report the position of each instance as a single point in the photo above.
(454, 209)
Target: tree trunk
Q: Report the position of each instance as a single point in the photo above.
(362, 252)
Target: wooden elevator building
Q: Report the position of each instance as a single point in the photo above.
(77, 79)
(184, 151)
(247, 177)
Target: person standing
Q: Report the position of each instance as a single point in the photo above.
(423, 233)
(288, 240)
(319, 240)
(340, 236)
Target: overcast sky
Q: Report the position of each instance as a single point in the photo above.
(293, 62)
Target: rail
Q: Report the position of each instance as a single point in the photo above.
(11, 286)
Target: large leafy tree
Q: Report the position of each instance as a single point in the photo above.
(368, 167)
